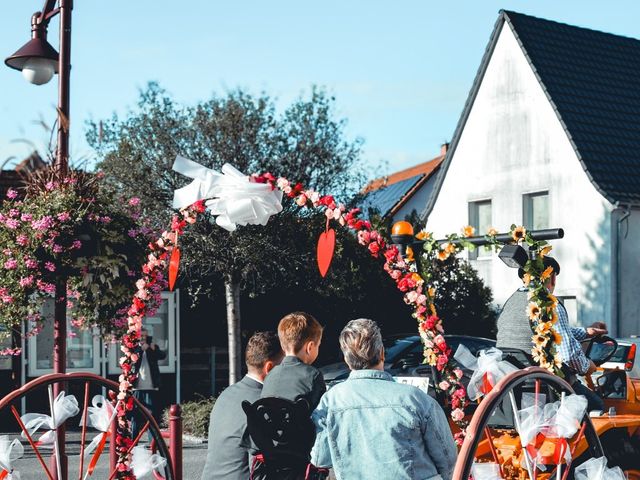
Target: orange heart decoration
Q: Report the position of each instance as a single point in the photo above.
(174, 263)
(326, 246)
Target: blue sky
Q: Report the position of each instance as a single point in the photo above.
(400, 71)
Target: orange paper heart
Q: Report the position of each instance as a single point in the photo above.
(174, 263)
(326, 246)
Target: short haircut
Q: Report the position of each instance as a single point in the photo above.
(298, 328)
(548, 262)
(262, 347)
(361, 344)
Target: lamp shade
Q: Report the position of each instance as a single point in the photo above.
(37, 47)
(402, 228)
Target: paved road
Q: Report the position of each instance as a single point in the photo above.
(194, 456)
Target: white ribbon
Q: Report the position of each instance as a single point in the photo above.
(63, 408)
(486, 471)
(230, 196)
(559, 419)
(10, 451)
(100, 417)
(489, 362)
(596, 469)
(143, 462)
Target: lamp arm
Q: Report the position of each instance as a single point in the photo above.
(48, 11)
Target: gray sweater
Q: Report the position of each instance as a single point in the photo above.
(514, 328)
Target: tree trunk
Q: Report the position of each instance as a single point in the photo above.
(232, 296)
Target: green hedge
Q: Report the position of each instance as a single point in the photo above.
(195, 416)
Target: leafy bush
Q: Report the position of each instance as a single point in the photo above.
(195, 416)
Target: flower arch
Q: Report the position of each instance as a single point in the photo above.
(412, 280)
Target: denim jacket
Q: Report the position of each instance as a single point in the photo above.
(372, 427)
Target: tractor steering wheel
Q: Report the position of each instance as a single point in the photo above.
(600, 349)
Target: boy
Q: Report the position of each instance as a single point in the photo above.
(300, 335)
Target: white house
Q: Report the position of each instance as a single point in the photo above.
(550, 137)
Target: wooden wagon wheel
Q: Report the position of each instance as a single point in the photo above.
(492, 435)
(86, 385)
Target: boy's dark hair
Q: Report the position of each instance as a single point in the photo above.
(298, 328)
(548, 262)
(262, 347)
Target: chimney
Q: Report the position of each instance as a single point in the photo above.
(443, 148)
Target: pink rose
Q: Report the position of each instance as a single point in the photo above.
(410, 297)
(444, 385)
(134, 201)
(374, 248)
(458, 373)
(457, 414)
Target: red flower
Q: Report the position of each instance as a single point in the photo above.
(199, 206)
(391, 253)
(441, 362)
(374, 248)
(431, 321)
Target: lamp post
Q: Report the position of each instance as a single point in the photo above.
(39, 61)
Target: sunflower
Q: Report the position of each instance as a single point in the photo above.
(409, 255)
(519, 233)
(546, 274)
(545, 251)
(442, 255)
(432, 292)
(492, 232)
(423, 235)
(544, 327)
(540, 340)
(468, 231)
(538, 354)
(554, 317)
(557, 338)
(533, 310)
(553, 299)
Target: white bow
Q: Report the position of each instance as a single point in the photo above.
(486, 471)
(230, 195)
(10, 451)
(559, 419)
(487, 368)
(100, 417)
(63, 408)
(596, 469)
(143, 462)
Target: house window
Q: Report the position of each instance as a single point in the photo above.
(480, 219)
(535, 210)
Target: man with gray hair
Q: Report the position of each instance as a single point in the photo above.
(372, 427)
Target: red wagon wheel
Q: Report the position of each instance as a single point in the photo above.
(492, 435)
(83, 386)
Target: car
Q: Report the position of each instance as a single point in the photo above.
(404, 357)
(624, 357)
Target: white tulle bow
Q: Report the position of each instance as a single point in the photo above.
(486, 471)
(596, 469)
(10, 451)
(488, 369)
(64, 407)
(100, 416)
(144, 462)
(230, 196)
(559, 419)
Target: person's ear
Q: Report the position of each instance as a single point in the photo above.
(382, 355)
(268, 366)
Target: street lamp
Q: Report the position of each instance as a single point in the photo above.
(39, 61)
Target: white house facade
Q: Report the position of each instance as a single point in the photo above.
(514, 159)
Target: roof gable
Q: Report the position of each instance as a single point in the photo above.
(591, 80)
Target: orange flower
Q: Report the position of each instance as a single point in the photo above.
(409, 255)
(450, 248)
(492, 232)
(553, 299)
(416, 278)
(442, 255)
(545, 250)
(557, 338)
(432, 308)
(519, 233)
(526, 278)
(546, 274)
(540, 340)
(468, 231)
(533, 310)
(554, 317)
(544, 327)
(431, 292)
(423, 235)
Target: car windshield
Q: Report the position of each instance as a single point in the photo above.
(394, 346)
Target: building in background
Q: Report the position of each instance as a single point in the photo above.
(550, 137)
(402, 194)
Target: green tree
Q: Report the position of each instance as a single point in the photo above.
(306, 143)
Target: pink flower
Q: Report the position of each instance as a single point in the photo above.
(458, 373)
(439, 341)
(364, 237)
(14, 212)
(395, 274)
(50, 266)
(329, 213)
(7, 298)
(77, 244)
(460, 393)
(26, 217)
(105, 219)
(141, 284)
(57, 248)
(411, 296)
(31, 263)
(11, 193)
(444, 385)
(134, 201)
(7, 252)
(374, 248)
(44, 223)
(26, 281)
(301, 200)
(11, 264)
(132, 233)
(457, 414)
(50, 186)
(22, 240)
(12, 223)
(64, 216)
